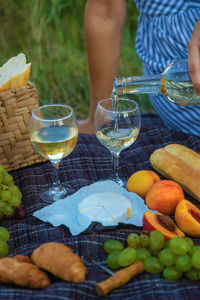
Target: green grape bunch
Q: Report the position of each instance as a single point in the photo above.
(179, 257)
(10, 195)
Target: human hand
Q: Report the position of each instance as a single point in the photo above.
(194, 57)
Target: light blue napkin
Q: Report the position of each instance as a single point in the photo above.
(64, 212)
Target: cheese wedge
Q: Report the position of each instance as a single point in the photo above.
(106, 208)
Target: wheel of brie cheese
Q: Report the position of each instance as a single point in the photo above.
(107, 208)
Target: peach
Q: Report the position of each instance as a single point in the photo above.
(162, 223)
(141, 181)
(187, 216)
(164, 196)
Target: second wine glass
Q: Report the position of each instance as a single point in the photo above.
(117, 124)
(54, 134)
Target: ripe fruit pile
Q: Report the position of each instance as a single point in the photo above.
(10, 195)
(173, 258)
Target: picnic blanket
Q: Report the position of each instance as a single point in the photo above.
(88, 163)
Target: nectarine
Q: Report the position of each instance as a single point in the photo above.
(163, 196)
(141, 181)
(153, 222)
(187, 216)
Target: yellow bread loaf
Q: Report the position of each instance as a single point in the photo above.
(60, 260)
(181, 164)
(14, 73)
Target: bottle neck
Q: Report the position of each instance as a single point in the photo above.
(137, 85)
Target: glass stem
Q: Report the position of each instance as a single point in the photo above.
(56, 180)
(115, 164)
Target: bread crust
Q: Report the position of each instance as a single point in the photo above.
(60, 260)
(20, 271)
(14, 73)
(181, 164)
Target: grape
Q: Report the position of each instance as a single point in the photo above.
(133, 240)
(15, 201)
(190, 242)
(167, 257)
(2, 205)
(196, 248)
(179, 245)
(111, 245)
(4, 234)
(183, 263)
(8, 180)
(6, 195)
(144, 240)
(112, 259)
(171, 274)
(20, 211)
(126, 257)
(152, 265)
(8, 210)
(193, 274)
(2, 169)
(10, 195)
(195, 259)
(142, 254)
(13, 189)
(156, 240)
(1, 177)
(3, 248)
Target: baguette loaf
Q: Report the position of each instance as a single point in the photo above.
(14, 73)
(181, 164)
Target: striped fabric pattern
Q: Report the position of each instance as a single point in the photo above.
(164, 30)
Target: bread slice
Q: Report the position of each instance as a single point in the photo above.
(181, 164)
(14, 73)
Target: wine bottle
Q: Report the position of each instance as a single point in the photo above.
(174, 83)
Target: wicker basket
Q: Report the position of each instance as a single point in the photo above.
(16, 150)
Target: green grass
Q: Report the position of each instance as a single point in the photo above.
(51, 35)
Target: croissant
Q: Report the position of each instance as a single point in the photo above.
(22, 273)
(60, 260)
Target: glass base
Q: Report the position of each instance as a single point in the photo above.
(54, 193)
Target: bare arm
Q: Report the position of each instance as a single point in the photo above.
(103, 23)
(194, 57)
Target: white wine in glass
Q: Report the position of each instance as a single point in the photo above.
(117, 124)
(54, 134)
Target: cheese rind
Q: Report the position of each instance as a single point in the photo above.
(107, 208)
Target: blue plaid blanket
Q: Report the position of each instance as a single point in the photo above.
(88, 163)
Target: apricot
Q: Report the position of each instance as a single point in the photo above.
(164, 196)
(153, 221)
(141, 181)
(187, 217)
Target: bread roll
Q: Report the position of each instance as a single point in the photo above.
(181, 164)
(14, 73)
(59, 260)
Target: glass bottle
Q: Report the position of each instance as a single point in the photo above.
(174, 83)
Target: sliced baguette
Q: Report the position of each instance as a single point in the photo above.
(14, 73)
(181, 164)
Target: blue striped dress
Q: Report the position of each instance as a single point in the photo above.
(164, 30)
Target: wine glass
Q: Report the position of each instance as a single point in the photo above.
(53, 133)
(117, 125)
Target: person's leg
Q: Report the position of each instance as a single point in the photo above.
(103, 26)
(86, 126)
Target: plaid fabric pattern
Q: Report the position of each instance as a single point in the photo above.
(88, 163)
